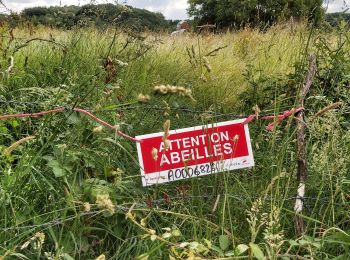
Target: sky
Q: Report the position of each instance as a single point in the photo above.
(172, 9)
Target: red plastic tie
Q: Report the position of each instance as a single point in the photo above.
(79, 110)
(249, 119)
(280, 118)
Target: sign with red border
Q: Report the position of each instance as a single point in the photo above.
(194, 152)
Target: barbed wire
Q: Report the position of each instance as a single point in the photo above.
(55, 222)
(128, 107)
(167, 202)
(16, 102)
(274, 117)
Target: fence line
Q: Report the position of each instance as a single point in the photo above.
(79, 110)
(130, 107)
(157, 202)
(275, 118)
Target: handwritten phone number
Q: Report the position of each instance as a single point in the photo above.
(193, 171)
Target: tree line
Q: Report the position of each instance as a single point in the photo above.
(98, 15)
(223, 13)
(255, 13)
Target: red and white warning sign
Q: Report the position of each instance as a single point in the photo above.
(195, 151)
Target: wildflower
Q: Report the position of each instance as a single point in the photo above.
(103, 201)
(143, 98)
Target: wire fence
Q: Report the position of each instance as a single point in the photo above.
(185, 110)
(168, 201)
(130, 107)
(165, 203)
(272, 115)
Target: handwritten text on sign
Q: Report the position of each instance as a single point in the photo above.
(194, 152)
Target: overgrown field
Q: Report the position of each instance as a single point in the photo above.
(70, 189)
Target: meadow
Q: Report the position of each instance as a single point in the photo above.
(71, 189)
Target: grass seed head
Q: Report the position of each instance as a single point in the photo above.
(97, 130)
(103, 201)
(117, 172)
(207, 64)
(166, 127)
(161, 89)
(155, 154)
(86, 206)
(40, 236)
(36, 241)
(168, 89)
(15, 145)
(143, 98)
(101, 257)
(166, 144)
(166, 141)
(121, 63)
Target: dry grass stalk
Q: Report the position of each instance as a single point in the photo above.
(216, 203)
(326, 109)
(166, 141)
(207, 64)
(155, 154)
(37, 241)
(14, 146)
(9, 69)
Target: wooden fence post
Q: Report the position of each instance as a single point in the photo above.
(301, 149)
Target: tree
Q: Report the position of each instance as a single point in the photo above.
(237, 13)
(98, 15)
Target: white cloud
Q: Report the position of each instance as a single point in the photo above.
(333, 6)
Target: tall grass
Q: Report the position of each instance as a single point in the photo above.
(75, 191)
